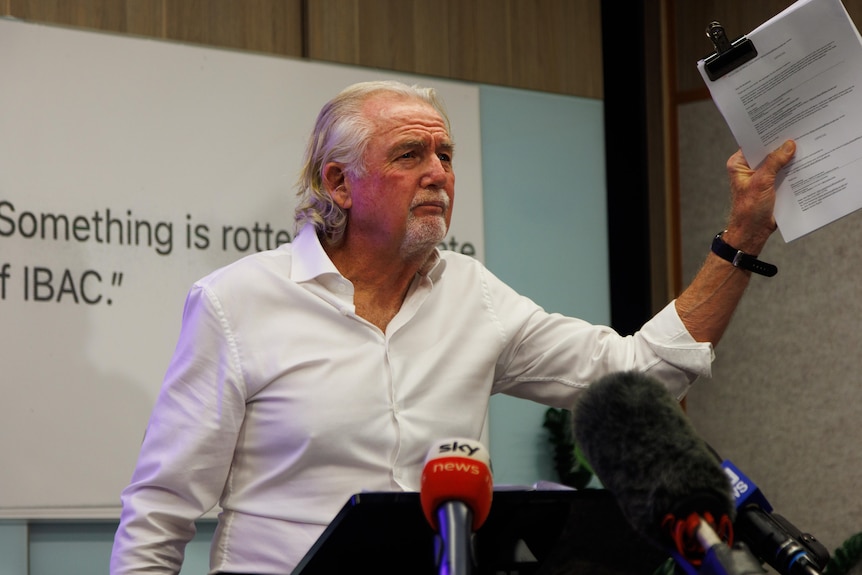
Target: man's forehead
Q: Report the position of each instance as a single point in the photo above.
(396, 109)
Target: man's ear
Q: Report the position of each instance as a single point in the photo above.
(335, 183)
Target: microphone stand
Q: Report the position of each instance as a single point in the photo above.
(454, 542)
(722, 559)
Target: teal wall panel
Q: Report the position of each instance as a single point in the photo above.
(545, 213)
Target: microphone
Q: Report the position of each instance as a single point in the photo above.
(769, 535)
(669, 486)
(456, 493)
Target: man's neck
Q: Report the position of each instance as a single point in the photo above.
(380, 281)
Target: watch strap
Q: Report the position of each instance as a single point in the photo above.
(740, 259)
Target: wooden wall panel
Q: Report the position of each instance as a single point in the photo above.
(332, 31)
(108, 15)
(469, 23)
(432, 25)
(271, 26)
(557, 46)
(391, 36)
(404, 35)
(546, 45)
(145, 18)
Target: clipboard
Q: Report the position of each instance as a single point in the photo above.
(801, 85)
(728, 56)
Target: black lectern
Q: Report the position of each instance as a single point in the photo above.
(527, 533)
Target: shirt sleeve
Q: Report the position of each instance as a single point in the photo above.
(188, 446)
(682, 359)
(549, 358)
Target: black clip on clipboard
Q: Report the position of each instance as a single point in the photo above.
(728, 55)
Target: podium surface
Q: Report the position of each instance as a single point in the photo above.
(528, 532)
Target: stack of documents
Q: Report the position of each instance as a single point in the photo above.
(801, 85)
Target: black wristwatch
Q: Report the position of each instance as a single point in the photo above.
(740, 259)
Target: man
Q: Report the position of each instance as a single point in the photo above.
(330, 365)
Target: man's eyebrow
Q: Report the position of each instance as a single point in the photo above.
(447, 147)
(408, 145)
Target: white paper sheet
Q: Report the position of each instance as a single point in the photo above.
(802, 86)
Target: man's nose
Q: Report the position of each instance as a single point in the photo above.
(436, 173)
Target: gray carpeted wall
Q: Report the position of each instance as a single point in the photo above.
(785, 399)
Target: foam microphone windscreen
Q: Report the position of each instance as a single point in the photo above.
(457, 469)
(644, 450)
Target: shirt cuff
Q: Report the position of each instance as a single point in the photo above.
(670, 341)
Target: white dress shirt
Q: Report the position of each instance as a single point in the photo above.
(280, 402)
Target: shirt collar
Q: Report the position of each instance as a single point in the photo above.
(434, 267)
(311, 261)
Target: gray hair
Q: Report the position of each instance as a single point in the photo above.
(341, 134)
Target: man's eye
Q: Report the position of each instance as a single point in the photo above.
(445, 157)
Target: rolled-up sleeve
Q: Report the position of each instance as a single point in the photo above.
(682, 358)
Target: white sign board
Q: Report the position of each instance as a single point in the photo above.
(128, 169)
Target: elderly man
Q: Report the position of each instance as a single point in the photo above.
(330, 365)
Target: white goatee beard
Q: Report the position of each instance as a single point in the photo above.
(422, 236)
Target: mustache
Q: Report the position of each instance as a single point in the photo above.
(438, 198)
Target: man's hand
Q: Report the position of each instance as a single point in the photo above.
(751, 220)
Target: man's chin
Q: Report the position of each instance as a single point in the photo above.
(421, 239)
